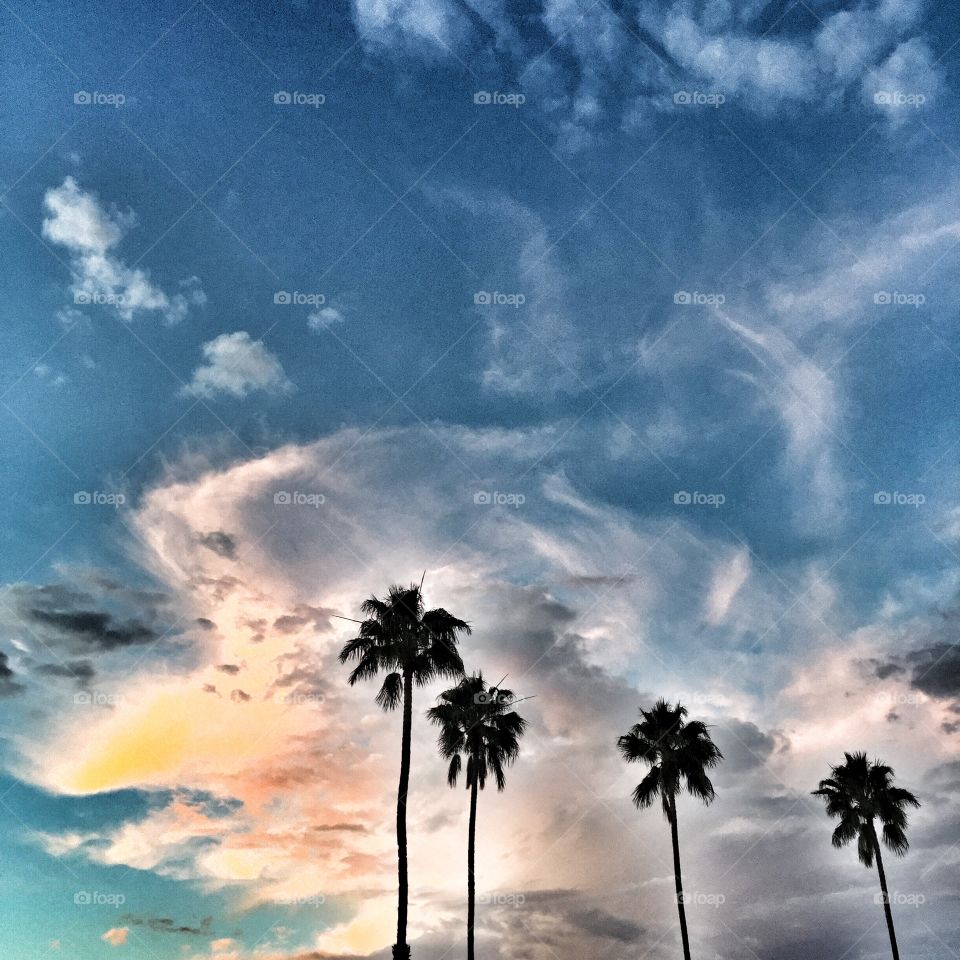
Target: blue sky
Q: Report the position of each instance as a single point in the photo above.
(676, 280)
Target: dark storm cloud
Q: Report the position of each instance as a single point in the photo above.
(935, 670)
(61, 615)
(168, 925)
(222, 544)
(302, 616)
(8, 686)
(744, 745)
(600, 923)
(80, 670)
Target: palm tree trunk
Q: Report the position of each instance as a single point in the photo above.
(471, 858)
(401, 951)
(678, 879)
(886, 898)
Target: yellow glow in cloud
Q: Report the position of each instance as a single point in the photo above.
(174, 728)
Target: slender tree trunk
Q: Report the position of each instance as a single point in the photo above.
(401, 951)
(471, 860)
(678, 879)
(886, 898)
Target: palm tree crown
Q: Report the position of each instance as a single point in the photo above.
(678, 753)
(398, 637)
(859, 791)
(475, 722)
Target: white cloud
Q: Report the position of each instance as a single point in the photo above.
(237, 365)
(323, 318)
(77, 221)
(806, 400)
(728, 577)
(116, 936)
(423, 23)
(905, 83)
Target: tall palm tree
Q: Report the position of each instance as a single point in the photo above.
(678, 753)
(476, 723)
(858, 792)
(411, 646)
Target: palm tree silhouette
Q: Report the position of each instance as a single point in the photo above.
(678, 753)
(411, 646)
(858, 792)
(475, 722)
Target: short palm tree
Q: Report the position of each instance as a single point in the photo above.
(678, 753)
(411, 646)
(476, 723)
(859, 792)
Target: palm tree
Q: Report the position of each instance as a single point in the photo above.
(679, 753)
(411, 646)
(475, 722)
(859, 792)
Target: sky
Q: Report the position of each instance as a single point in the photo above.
(630, 326)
